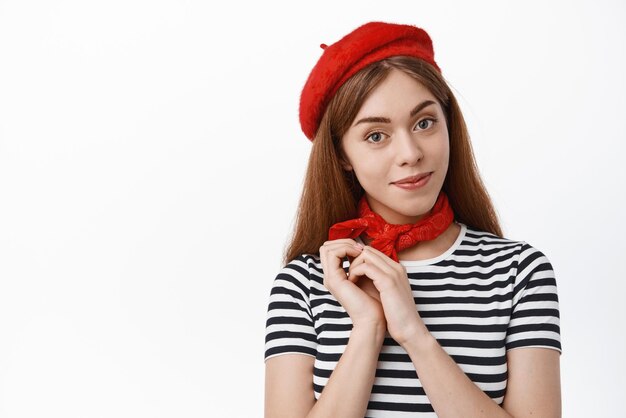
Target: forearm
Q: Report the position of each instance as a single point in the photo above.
(348, 389)
(450, 391)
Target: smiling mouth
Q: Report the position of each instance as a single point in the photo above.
(414, 182)
(412, 179)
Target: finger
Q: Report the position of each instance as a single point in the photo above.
(340, 250)
(332, 256)
(360, 259)
(370, 271)
(380, 255)
(370, 255)
(340, 241)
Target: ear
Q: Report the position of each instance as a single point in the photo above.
(343, 161)
(345, 164)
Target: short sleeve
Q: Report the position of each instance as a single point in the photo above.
(289, 327)
(535, 320)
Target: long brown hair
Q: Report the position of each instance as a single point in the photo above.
(330, 193)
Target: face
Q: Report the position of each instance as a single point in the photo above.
(399, 136)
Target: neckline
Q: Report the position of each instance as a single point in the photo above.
(443, 256)
(428, 261)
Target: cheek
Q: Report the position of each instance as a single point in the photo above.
(443, 149)
(363, 163)
(370, 171)
(365, 171)
(446, 153)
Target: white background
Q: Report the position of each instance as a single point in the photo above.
(151, 162)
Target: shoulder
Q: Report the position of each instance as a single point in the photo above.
(305, 265)
(479, 240)
(531, 270)
(486, 249)
(300, 273)
(534, 271)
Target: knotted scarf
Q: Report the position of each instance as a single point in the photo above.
(393, 238)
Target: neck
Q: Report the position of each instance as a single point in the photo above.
(394, 239)
(394, 218)
(425, 250)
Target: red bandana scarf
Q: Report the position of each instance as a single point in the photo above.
(391, 238)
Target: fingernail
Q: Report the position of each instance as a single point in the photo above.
(359, 246)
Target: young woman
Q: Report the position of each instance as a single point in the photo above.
(399, 296)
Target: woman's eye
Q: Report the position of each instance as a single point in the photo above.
(375, 137)
(425, 123)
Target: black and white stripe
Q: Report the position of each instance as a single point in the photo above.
(485, 295)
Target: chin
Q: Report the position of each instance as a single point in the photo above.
(399, 206)
(406, 212)
(420, 208)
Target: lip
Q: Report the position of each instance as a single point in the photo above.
(413, 182)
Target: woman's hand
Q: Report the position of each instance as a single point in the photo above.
(391, 281)
(359, 298)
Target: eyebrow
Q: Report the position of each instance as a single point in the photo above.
(380, 119)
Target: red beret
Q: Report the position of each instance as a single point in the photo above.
(365, 45)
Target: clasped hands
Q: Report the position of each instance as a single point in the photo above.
(376, 290)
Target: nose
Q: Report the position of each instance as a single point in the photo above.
(408, 150)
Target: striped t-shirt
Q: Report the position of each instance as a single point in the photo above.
(482, 297)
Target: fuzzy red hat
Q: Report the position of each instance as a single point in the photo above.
(365, 45)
